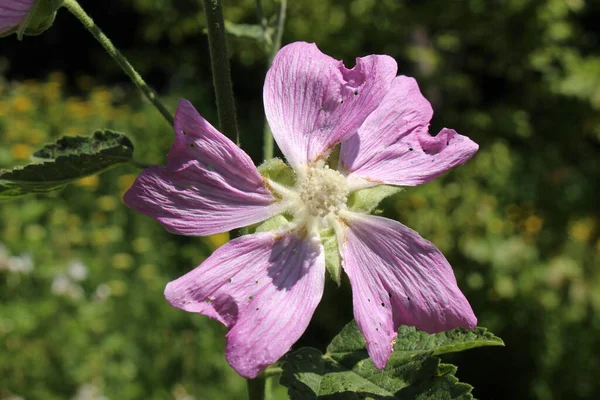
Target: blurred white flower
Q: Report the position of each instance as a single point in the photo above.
(22, 264)
(78, 271)
(63, 286)
(89, 391)
(102, 292)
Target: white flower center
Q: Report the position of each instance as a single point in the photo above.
(322, 191)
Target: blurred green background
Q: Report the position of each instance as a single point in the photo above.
(82, 314)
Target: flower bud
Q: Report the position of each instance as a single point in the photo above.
(29, 17)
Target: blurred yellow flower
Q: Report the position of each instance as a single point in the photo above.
(533, 224)
(582, 229)
(122, 261)
(216, 241)
(125, 181)
(20, 151)
(90, 182)
(22, 103)
(107, 203)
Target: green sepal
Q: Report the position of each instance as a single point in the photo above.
(333, 261)
(278, 171)
(334, 158)
(366, 200)
(40, 18)
(272, 223)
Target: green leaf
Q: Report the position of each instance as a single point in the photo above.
(309, 375)
(412, 342)
(346, 372)
(365, 200)
(65, 161)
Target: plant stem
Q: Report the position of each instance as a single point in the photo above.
(267, 135)
(256, 388)
(259, 15)
(279, 31)
(220, 69)
(272, 371)
(75, 9)
(139, 164)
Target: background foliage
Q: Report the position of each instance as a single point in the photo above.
(81, 276)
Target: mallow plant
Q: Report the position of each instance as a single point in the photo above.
(350, 137)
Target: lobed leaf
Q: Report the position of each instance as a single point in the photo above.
(346, 372)
(412, 342)
(68, 159)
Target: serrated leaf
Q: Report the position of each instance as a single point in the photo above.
(412, 342)
(366, 200)
(303, 372)
(65, 161)
(309, 375)
(346, 372)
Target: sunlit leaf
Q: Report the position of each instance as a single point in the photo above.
(346, 372)
(69, 159)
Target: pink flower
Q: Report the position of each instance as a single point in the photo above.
(13, 13)
(265, 286)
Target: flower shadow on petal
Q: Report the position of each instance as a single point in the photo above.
(276, 303)
(291, 262)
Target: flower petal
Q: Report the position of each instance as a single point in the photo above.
(265, 287)
(208, 186)
(13, 12)
(394, 147)
(313, 102)
(399, 278)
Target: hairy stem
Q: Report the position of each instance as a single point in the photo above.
(267, 135)
(220, 69)
(75, 9)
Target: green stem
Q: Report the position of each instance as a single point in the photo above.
(267, 135)
(272, 371)
(256, 388)
(75, 9)
(219, 61)
(259, 15)
(279, 32)
(139, 164)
